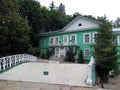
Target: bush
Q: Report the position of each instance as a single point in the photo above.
(70, 55)
(48, 53)
(81, 59)
(43, 56)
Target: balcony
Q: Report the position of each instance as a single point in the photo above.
(64, 45)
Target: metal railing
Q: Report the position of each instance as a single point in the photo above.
(10, 61)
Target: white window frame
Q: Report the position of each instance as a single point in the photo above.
(55, 40)
(50, 41)
(89, 38)
(118, 40)
(65, 43)
(71, 39)
(93, 37)
(85, 52)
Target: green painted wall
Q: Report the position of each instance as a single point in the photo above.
(44, 43)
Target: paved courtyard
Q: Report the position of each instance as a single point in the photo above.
(55, 73)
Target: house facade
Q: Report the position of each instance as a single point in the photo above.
(79, 34)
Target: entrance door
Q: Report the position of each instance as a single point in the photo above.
(56, 52)
(62, 52)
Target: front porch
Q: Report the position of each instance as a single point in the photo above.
(59, 52)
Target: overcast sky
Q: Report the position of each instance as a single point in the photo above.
(111, 8)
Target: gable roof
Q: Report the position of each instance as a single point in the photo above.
(80, 17)
(74, 30)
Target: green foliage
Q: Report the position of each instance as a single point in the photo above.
(30, 9)
(61, 8)
(81, 59)
(48, 53)
(14, 30)
(43, 56)
(105, 50)
(70, 55)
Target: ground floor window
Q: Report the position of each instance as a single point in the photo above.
(86, 52)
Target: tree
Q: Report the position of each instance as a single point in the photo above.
(30, 9)
(52, 6)
(81, 59)
(105, 50)
(116, 24)
(70, 55)
(14, 30)
(45, 20)
(61, 9)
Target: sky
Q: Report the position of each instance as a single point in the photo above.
(110, 8)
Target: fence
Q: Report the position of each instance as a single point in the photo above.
(91, 78)
(10, 61)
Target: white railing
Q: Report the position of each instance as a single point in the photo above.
(91, 72)
(10, 61)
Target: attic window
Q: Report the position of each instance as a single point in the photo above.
(80, 24)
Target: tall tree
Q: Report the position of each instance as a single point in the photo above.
(45, 19)
(52, 6)
(105, 50)
(14, 30)
(61, 8)
(30, 9)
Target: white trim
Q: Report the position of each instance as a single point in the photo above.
(93, 36)
(89, 38)
(118, 40)
(65, 43)
(50, 41)
(71, 39)
(55, 40)
(85, 52)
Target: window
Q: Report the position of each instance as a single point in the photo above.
(56, 40)
(80, 24)
(87, 38)
(51, 40)
(73, 39)
(118, 40)
(86, 52)
(94, 36)
(65, 40)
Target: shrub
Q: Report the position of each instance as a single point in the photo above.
(70, 55)
(81, 59)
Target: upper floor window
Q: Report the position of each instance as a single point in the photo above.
(73, 39)
(94, 37)
(51, 40)
(65, 39)
(87, 38)
(116, 40)
(80, 24)
(56, 40)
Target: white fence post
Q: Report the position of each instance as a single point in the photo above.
(89, 76)
(0, 63)
(4, 64)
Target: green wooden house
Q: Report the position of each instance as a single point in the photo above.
(79, 34)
